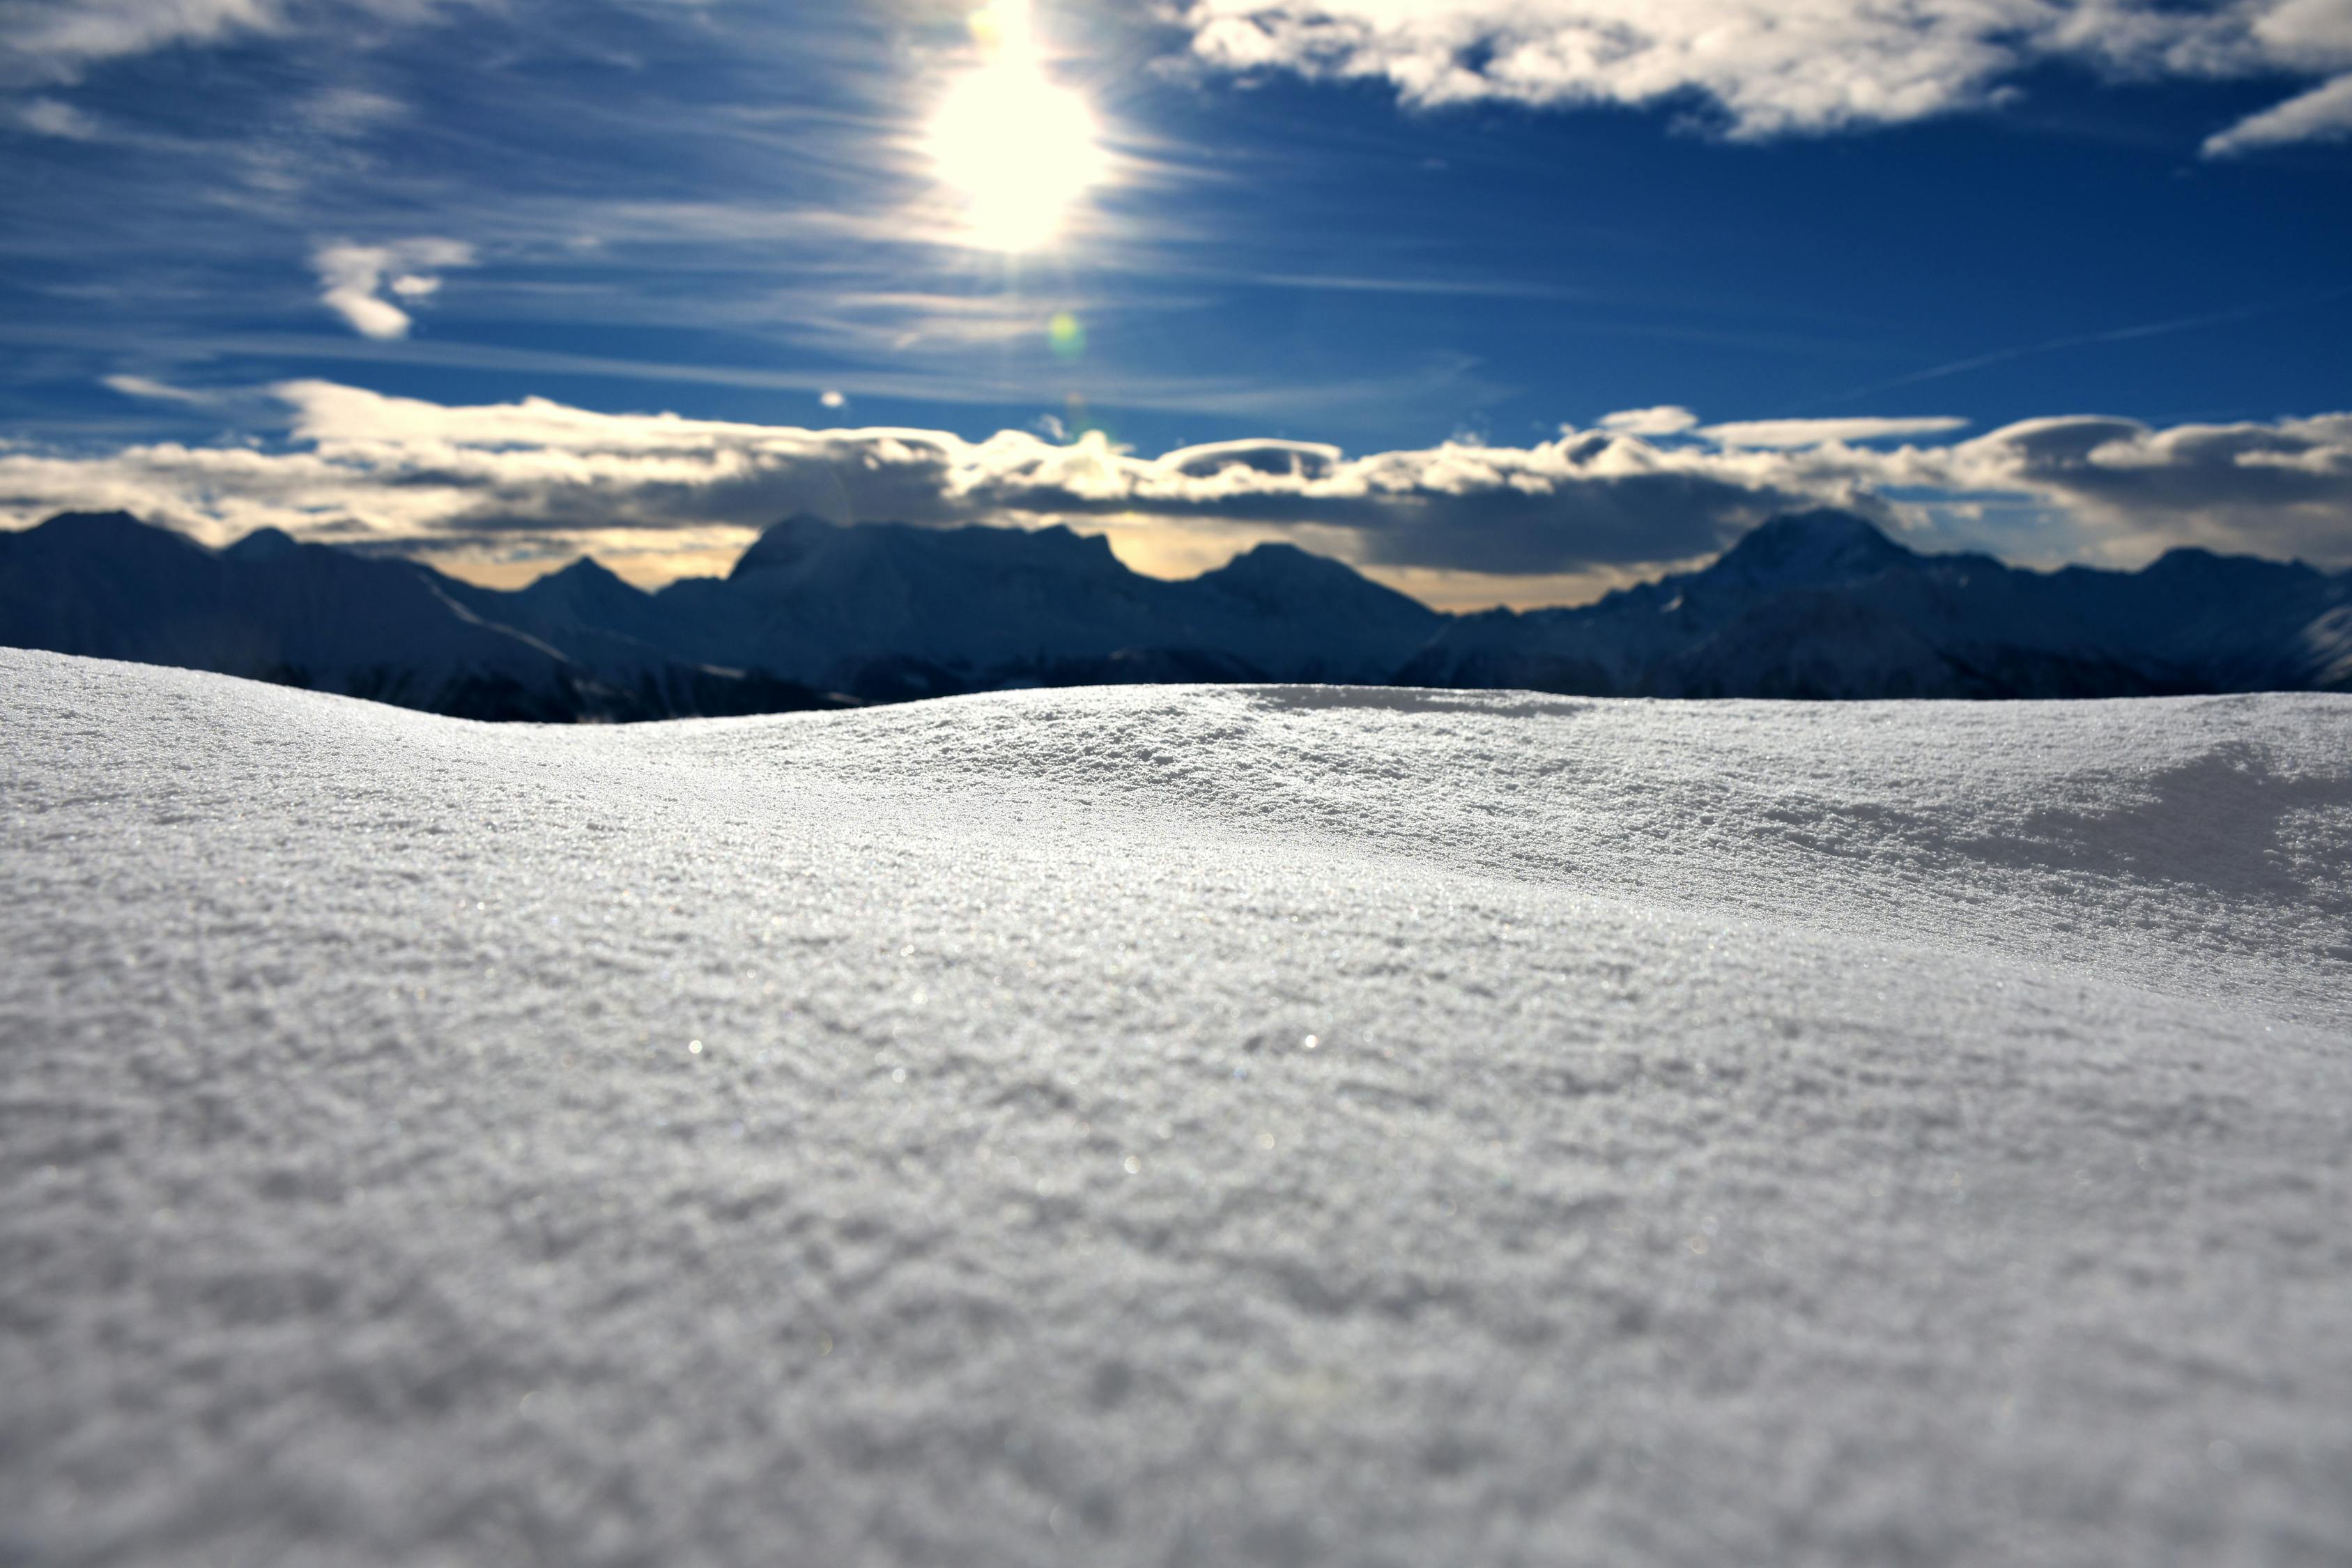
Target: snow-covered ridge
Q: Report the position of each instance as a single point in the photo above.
(1276, 1125)
(1817, 604)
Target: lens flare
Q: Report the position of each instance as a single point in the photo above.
(1016, 147)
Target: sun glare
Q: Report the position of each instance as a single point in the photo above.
(1018, 148)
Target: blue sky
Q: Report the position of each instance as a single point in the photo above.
(420, 274)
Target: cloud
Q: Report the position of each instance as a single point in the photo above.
(1666, 420)
(1789, 434)
(2283, 488)
(525, 479)
(2324, 113)
(1283, 459)
(1767, 68)
(54, 117)
(57, 40)
(830, 398)
(354, 278)
(152, 391)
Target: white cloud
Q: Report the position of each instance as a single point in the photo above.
(2324, 113)
(2278, 488)
(353, 280)
(1771, 67)
(832, 399)
(54, 117)
(345, 110)
(1791, 433)
(529, 477)
(55, 42)
(1282, 460)
(1664, 420)
(58, 41)
(152, 391)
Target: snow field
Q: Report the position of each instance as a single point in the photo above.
(1174, 1125)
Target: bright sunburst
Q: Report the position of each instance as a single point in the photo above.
(1017, 148)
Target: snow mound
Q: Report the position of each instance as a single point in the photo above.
(1144, 1125)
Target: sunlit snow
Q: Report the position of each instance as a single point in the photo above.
(1155, 1125)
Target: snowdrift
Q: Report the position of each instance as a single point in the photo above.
(1149, 1125)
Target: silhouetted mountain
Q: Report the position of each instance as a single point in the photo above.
(886, 611)
(1816, 604)
(314, 615)
(1822, 604)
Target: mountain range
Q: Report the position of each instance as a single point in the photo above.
(1812, 605)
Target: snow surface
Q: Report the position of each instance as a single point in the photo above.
(1145, 1125)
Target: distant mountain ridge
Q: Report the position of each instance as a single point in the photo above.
(1822, 605)
(1812, 605)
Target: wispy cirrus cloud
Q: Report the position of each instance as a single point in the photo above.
(2323, 114)
(56, 118)
(54, 41)
(58, 42)
(538, 478)
(1767, 68)
(148, 389)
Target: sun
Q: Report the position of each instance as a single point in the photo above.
(1017, 148)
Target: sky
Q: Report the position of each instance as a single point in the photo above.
(1504, 301)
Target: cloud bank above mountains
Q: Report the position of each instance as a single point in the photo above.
(536, 480)
(1770, 68)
